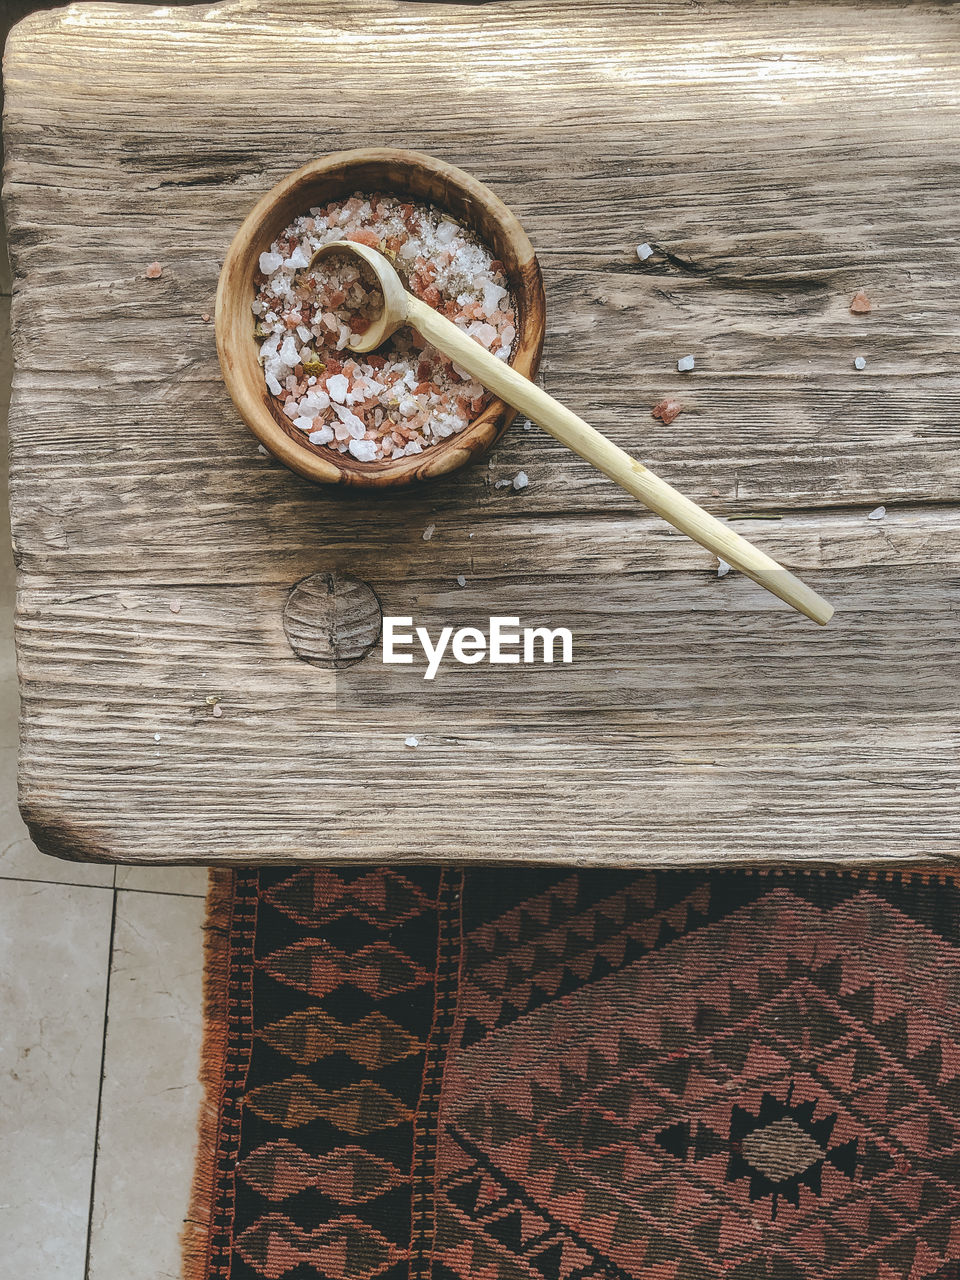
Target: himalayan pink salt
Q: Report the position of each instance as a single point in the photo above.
(666, 410)
(154, 271)
(405, 396)
(860, 304)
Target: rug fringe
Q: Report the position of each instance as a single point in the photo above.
(195, 1237)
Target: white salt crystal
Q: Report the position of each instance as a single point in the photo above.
(502, 484)
(304, 333)
(314, 402)
(289, 355)
(508, 335)
(363, 450)
(461, 580)
(413, 447)
(355, 426)
(877, 513)
(156, 737)
(175, 606)
(527, 424)
(217, 711)
(411, 741)
(273, 385)
(685, 364)
(859, 363)
(270, 262)
(429, 531)
(261, 449)
(297, 259)
(484, 333)
(337, 386)
(303, 424)
(291, 409)
(722, 568)
(521, 480)
(446, 232)
(644, 251)
(493, 295)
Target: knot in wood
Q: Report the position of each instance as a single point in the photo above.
(332, 620)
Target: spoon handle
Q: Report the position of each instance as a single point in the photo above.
(497, 376)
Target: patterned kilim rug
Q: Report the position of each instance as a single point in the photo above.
(527, 1074)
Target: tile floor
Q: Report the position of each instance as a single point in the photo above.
(100, 1004)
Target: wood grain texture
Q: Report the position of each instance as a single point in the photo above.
(779, 158)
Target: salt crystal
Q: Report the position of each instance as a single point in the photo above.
(288, 354)
(521, 480)
(461, 580)
(291, 409)
(297, 260)
(217, 711)
(205, 318)
(859, 363)
(644, 251)
(175, 606)
(502, 484)
(408, 406)
(261, 449)
(527, 424)
(363, 450)
(303, 424)
(354, 425)
(337, 387)
(273, 386)
(156, 737)
(484, 333)
(411, 741)
(304, 333)
(685, 364)
(722, 568)
(154, 271)
(860, 304)
(270, 262)
(323, 435)
(428, 532)
(877, 513)
(446, 232)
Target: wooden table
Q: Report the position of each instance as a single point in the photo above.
(779, 158)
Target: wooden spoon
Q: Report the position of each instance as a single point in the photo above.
(401, 307)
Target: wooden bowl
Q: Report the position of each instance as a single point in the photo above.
(404, 173)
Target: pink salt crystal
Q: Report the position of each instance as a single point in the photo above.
(217, 711)
(205, 318)
(175, 606)
(860, 304)
(666, 410)
(154, 271)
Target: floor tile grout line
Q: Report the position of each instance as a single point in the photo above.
(103, 1062)
(60, 884)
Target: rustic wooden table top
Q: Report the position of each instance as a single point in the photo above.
(779, 158)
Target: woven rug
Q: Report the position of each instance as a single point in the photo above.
(527, 1074)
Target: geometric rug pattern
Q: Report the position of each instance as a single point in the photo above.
(527, 1074)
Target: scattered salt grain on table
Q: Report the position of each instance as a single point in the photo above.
(685, 364)
(156, 737)
(666, 410)
(205, 318)
(859, 363)
(461, 581)
(175, 606)
(217, 711)
(877, 513)
(521, 480)
(411, 741)
(154, 271)
(502, 484)
(644, 251)
(722, 568)
(527, 424)
(428, 532)
(262, 450)
(860, 304)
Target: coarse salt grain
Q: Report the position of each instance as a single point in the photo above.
(411, 741)
(685, 364)
(175, 606)
(859, 363)
(156, 737)
(363, 450)
(270, 262)
(205, 318)
(527, 424)
(666, 411)
(461, 580)
(877, 513)
(521, 480)
(154, 271)
(429, 532)
(722, 568)
(263, 451)
(217, 711)
(644, 251)
(860, 304)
